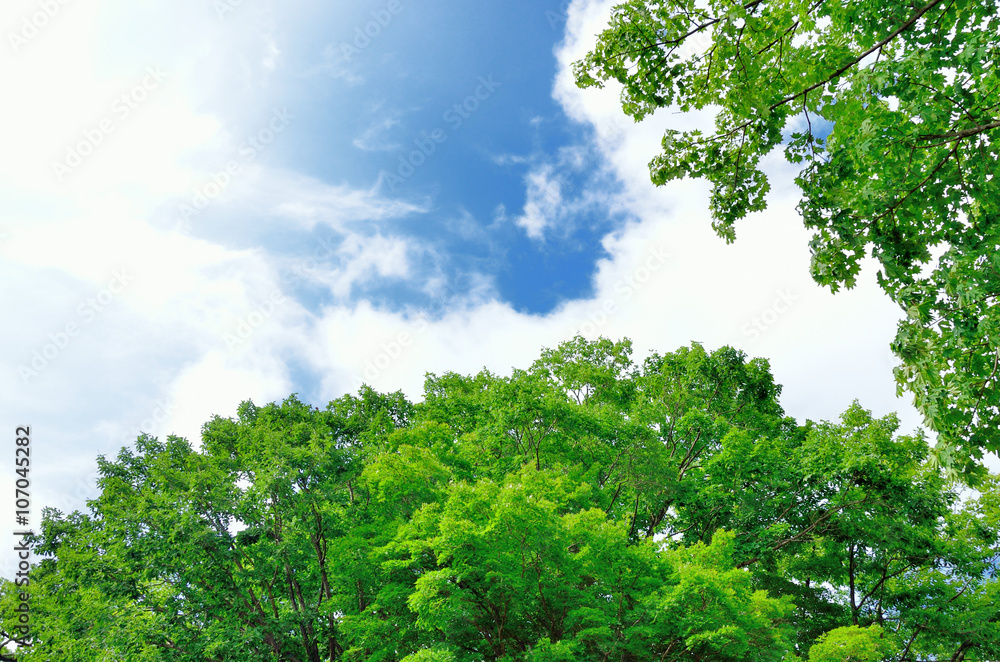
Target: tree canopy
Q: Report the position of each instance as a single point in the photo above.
(892, 111)
(585, 508)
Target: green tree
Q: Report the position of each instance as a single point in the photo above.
(850, 644)
(892, 111)
(586, 507)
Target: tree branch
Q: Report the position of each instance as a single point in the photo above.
(895, 33)
(959, 135)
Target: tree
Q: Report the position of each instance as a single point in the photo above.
(892, 111)
(586, 507)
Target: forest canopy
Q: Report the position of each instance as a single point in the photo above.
(585, 508)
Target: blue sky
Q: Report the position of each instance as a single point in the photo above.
(204, 201)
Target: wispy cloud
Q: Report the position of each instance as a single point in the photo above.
(544, 203)
(561, 188)
(310, 202)
(336, 64)
(375, 138)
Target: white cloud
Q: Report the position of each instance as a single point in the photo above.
(374, 138)
(548, 207)
(218, 382)
(271, 52)
(336, 65)
(544, 202)
(190, 332)
(363, 259)
(309, 202)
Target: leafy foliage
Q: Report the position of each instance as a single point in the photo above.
(584, 508)
(892, 111)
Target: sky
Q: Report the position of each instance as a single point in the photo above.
(209, 201)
